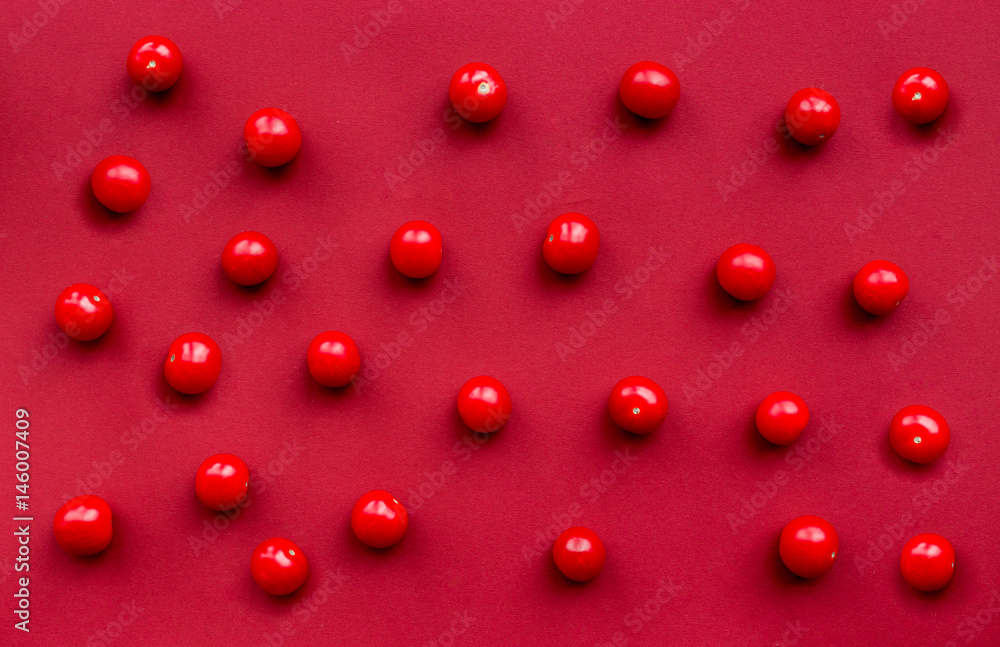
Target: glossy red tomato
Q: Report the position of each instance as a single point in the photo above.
(273, 137)
(579, 554)
(745, 271)
(927, 562)
(880, 286)
(379, 520)
(278, 566)
(571, 243)
(782, 417)
(83, 525)
(650, 90)
(415, 249)
(155, 63)
(477, 92)
(249, 258)
(222, 482)
(120, 183)
(484, 404)
(808, 546)
(919, 434)
(812, 116)
(638, 404)
(333, 359)
(920, 95)
(193, 363)
(83, 312)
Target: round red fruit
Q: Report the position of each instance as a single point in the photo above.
(782, 417)
(919, 434)
(746, 272)
(808, 546)
(812, 116)
(415, 249)
(477, 92)
(278, 566)
(83, 525)
(484, 404)
(920, 95)
(579, 554)
(249, 258)
(379, 520)
(333, 359)
(120, 183)
(638, 404)
(273, 137)
(571, 243)
(83, 312)
(222, 481)
(193, 363)
(155, 63)
(650, 90)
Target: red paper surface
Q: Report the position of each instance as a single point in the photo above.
(474, 568)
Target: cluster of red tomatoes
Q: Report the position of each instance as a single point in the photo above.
(808, 545)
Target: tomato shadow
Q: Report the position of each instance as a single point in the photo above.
(399, 283)
(790, 149)
(315, 390)
(724, 303)
(855, 315)
(759, 446)
(470, 131)
(915, 472)
(616, 436)
(785, 579)
(631, 122)
(552, 279)
(923, 134)
(101, 217)
(136, 97)
(167, 394)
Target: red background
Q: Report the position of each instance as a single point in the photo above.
(96, 408)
